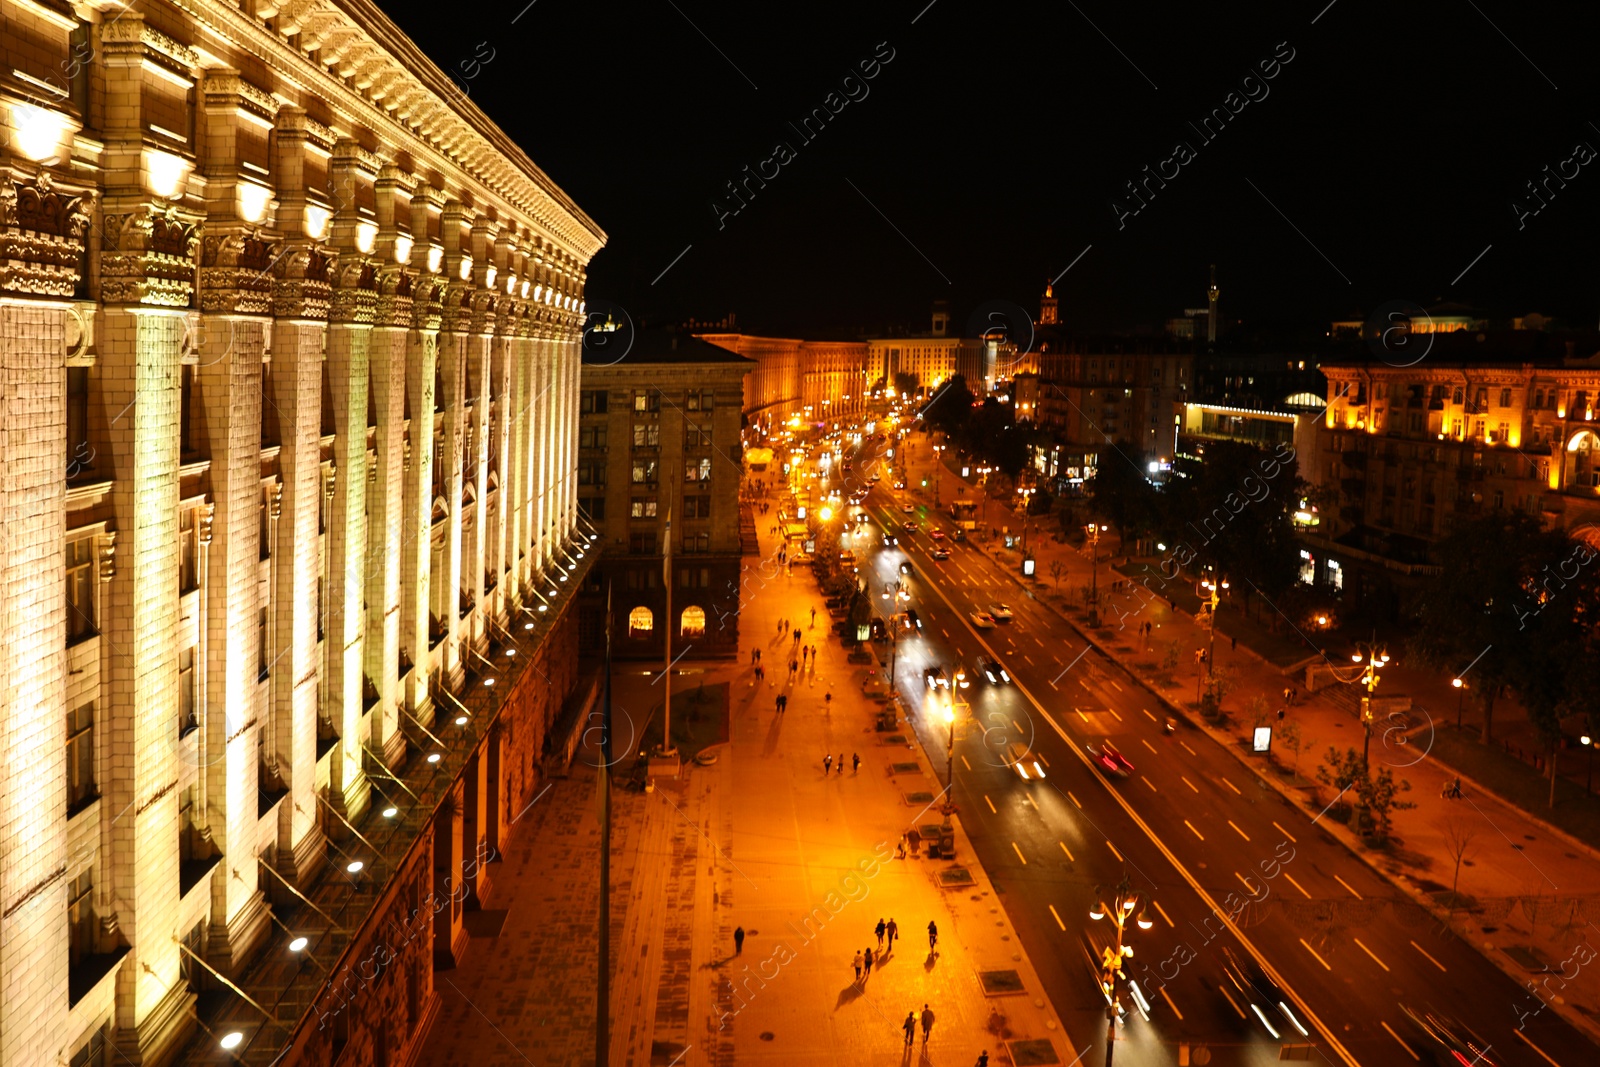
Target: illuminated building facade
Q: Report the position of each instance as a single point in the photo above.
(818, 381)
(289, 365)
(659, 439)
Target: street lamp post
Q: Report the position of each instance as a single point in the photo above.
(1461, 698)
(949, 761)
(1093, 530)
(936, 465)
(1211, 653)
(1123, 903)
(1588, 778)
(1374, 658)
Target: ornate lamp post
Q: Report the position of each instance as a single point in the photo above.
(1461, 697)
(937, 463)
(1124, 903)
(1374, 658)
(1093, 531)
(1215, 589)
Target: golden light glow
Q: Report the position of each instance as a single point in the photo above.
(366, 236)
(316, 221)
(464, 269)
(36, 131)
(435, 259)
(253, 200)
(165, 173)
(402, 249)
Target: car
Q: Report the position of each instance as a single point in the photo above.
(941, 553)
(990, 669)
(903, 621)
(1001, 612)
(1023, 761)
(936, 533)
(936, 678)
(982, 620)
(1449, 1038)
(890, 539)
(905, 567)
(909, 509)
(878, 630)
(908, 527)
(899, 484)
(916, 620)
(1109, 760)
(1251, 986)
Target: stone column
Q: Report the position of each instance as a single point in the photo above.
(385, 508)
(416, 555)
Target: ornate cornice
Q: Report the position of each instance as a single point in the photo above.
(236, 273)
(42, 233)
(148, 255)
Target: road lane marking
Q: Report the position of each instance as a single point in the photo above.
(1369, 952)
(1054, 686)
(1287, 834)
(1231, 786)
(1057, 916)
(1164, 914)
(1114, 685)
(1192, 830)
(1148, 745)
(1319, 959)
(1067, 850)
(1074, 799)
(989, 802)
(1536, 1048)
(1396, 1036)
(1083, 683)
(1015, 726)
(965, 764)
(1424, 952)
(1029, 798)
(1188, 783)
(1189, 750)
(1081, 715)
(1020, 856)
(1146, 781)
(1114, 852)
(1038, 642)
(1236, 1007)
(1348, 886)
(1113, 711)
(1171, 1005)
(1250, 888)
(1238, 831)
(1043, 759)
(1027, 659)
(1297, 885)
(1149, 716)
(944, 631)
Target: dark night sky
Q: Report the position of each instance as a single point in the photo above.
(1396, 139)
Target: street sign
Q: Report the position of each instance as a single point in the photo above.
(1263, 739)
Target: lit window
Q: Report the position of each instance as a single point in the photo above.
(640, 622)
(693, 623)
(80, 589)
(80, 757)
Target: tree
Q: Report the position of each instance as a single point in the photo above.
(1169, 661)
(1259, 711)
(1057, 570)
(905, 384)
(950, 407)
(1342, 770)
(1291, 737)
(1122, 495)
(1380, 798)
(1458, 838)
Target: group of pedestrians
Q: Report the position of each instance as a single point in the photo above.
(855, 768)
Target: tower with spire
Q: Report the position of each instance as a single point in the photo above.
(1211, 304)
(1047, 306)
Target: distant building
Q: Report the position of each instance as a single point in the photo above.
(816, 380)
(937, 356)
(659, 434)
(1486, 422)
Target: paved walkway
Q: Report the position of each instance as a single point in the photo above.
(1536, 890)
(762, 839)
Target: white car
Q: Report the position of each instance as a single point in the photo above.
(982, 620)
(909, 509)
(1001, 612)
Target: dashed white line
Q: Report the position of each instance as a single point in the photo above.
(1057, 916)
(1114, 685)
(1314, 955)
(1148, 745)
(1286, 833)
(1149, 716)
(989, 802)
(1164, 914)
(1352, 889)
(1188, 783)
(1369, 952)
(1297, 885)
(1427, 957)
(1396, 1036)
(1115, 853)
(1018, 851)
(1238, 831)
(1067, 850)
(1147, 781)
(1192, 830)
(1231, 786)
(1189, 750)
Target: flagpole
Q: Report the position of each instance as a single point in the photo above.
(602, 1034)
(667, 748)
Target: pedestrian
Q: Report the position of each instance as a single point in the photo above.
(867, 967)
(841, 764)
(758, 655)
(927, 1023)
(1235, 641)
(813, 618)
(738, 940)
(910, 1027)
(827, 764)
(983, 1059)
(893, 931)
(900, 852)
(780, 626)
(855, 768)
(797, 635)
(794, 667)
(859, 960)
(1280, 714)
(783, 702)
(879, 930)
(1286, 692)
(777, 702)
(761, 673)
(933, 935)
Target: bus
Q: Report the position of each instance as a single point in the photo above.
(965, 514)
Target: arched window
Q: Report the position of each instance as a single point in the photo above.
(640, 622)
(693, 622)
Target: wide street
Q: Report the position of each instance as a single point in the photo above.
(1228, 864)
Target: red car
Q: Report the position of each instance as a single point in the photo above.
(1109, 759)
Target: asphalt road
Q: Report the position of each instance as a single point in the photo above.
(1227, 864)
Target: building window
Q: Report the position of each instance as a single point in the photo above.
(266, 531)
(80, 757)
(642, 544)
(697, 507)
(701, 472)
(188, 694)
(640, 622)
(93, 1051)
(186, 412)
(1459, 395)
(592, 437)
(80, 917)
(188, 553)
(647, 435)
(694, 437)
(80, 589)
(643, 507)
(1538, 398)
(261, 645)
(644, 473)
(80, 457)
(693, 623)
(647, 400)
(697, 542)
(593, 401)
(592, 508)
(1505, 398)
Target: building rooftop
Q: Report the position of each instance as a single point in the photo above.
(659, 346)
(1487, 348)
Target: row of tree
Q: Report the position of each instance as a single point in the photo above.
(987, 432)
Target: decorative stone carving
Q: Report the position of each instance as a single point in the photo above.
(236, 273)
(148, 256)
(394, 297)
(427, 303)
(207, 515)
(275, 500)
(355, 297)
(41, 237)
(108, 555)
(484, 305)
(301, 287)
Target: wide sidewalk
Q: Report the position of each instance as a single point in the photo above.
(1536, 888)
(761, 839)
